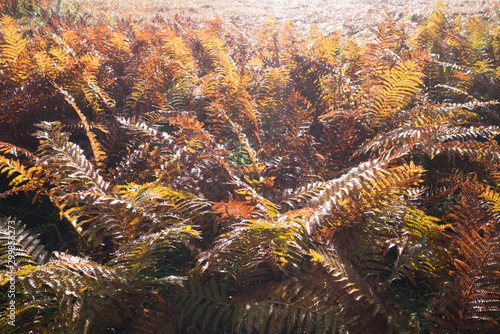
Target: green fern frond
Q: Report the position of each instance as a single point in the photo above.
(142, 255)
(252, 242)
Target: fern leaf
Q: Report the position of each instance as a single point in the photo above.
(396, 91)
(15, 43)
(19, 242)
(251, 242)
(99, 154)
(79, 290)
(143, 253)
(21, 178)
(365, 186)
(469, 299)
(69, 159)
(16, 151)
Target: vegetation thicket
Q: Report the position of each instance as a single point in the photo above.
(199, 176)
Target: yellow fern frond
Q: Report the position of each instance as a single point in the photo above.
(15, 43)
(399, 86)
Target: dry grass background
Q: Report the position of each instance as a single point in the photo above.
(328, 15)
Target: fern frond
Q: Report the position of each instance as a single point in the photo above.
(76, 291)
(114, 143)
(402, 139)
(470, 299)
(17, 241)
(99, 154)
(285, 317)
(16, 151)
(249, 243)
(363, 188)
(303, 195)
(69, 160)
(21, 178)
(157, 199)
(483, 153)
(204, 306)
(468, 133)
(95, 94)
(142, 255)
(396, 91)
(147, 131)
(15, 43)
(438, 114)
(276, 307)
(422, 138)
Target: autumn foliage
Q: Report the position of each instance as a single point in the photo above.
(192, 176)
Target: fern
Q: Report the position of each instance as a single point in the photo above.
(75, 293)
(59, 152)
(15, 43)
(26, 247)
(396, 91)
(469, 299)
(363, 188)
(218, 177)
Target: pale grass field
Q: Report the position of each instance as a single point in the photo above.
(328, 15)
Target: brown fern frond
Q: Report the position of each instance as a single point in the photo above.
(420, 139)
(482, 153)
(403, 139)
(114, 143)
(303, 195)
(99, 154)
(343, 133)
(470, 299)
(234, 211)
(16, 151)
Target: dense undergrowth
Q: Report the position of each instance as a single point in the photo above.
(190, 176)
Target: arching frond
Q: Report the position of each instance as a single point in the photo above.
(470, 299)
(18, 242)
